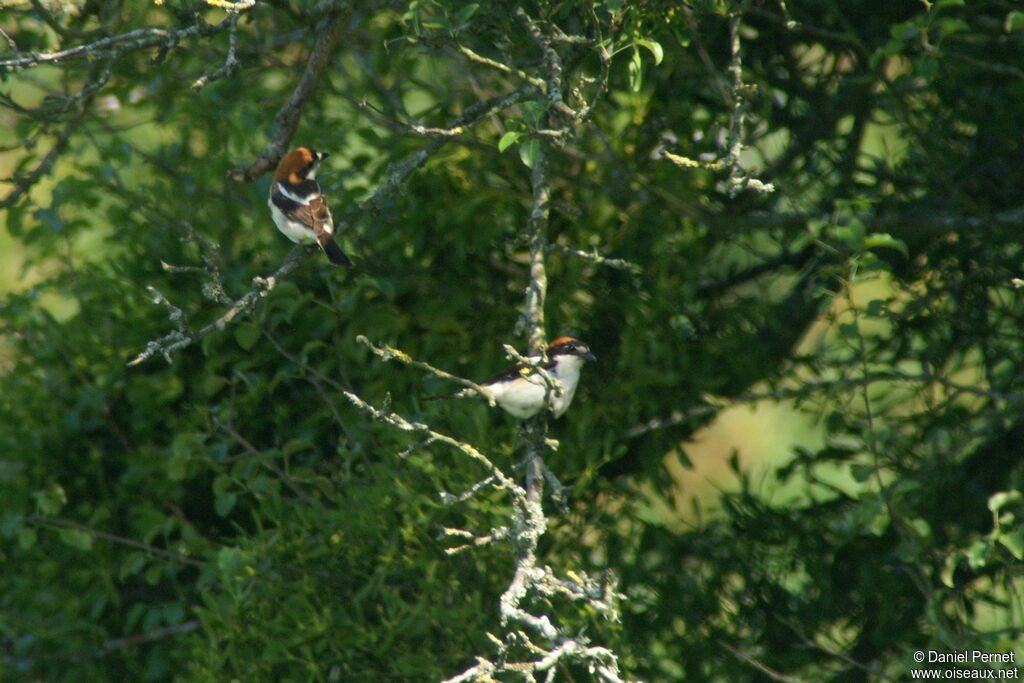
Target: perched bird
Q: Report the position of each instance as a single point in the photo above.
(299, 209)
(523, 392)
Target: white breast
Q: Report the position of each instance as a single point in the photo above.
(293, 230)
(567, 372)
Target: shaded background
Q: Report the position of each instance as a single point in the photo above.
(799, 451)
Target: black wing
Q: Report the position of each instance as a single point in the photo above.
(515, 371)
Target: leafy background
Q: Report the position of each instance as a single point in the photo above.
(799, 451)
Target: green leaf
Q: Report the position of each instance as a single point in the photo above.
(655, 48)
(949, 26)
(614, 5)
(636, 71)
(76, 538)
(999, 500)
(977, 554)
(246, 335)
(224, 503)
(949, 569)
(878, 240)
(51, 500)
(1014, 21)
(1014, 542)
(852, 234)
(508, 139)
(862, 472)
(528, 151)
(27, 537)
(533, 112)
(463, 15)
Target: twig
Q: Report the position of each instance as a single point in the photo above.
(10, 41)
(182, 337)
(770, 673)
(504, 68)
(399, 422)
(594, 257)
(736, 95)
(230, 61)
(386, 353)
(396, 173)
(256, 453)
(131, 41)
(58, 523)
(155, 634)
(553, 62)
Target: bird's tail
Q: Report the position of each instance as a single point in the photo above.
(443, 397)
(439, 397)
(333, 251)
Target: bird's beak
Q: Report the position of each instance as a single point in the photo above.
(588, 356)
(322, 155)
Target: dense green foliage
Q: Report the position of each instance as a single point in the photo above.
(230, 516)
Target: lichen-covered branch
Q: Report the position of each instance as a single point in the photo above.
(182, 337)
(230, 60)
(596, 258)
(132, 41)
(537, 288)
(501, 480)
(386, 352)
(738, 94)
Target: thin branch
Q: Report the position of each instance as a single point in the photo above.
(594, 257)
(58, 523)
(287, 118)
(757, 664)
(231, 62)
(139, 39)
(257, 453)
(504, 68)
(553, 62)
(386, 353)
(396, 173)
(401, 423)
(536, 291)
(155, 634)
(182, 337)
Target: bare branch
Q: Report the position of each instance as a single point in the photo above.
(504, 68)
(386, 353)
(230, 61)
(132, 41)
(149, 637)
(399, 422)
(808, 387)
(553, 62)
(182, 337)
(287, 119)
(58, 523)
(594, 257)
